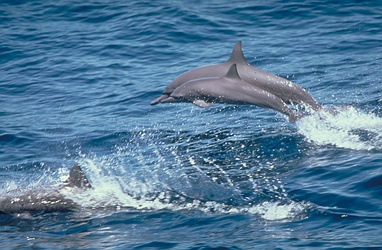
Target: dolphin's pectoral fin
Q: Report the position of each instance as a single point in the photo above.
(169, 99)
(78, 178)
(201, 104)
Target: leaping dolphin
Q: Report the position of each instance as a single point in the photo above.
(229, 89)
(286, 90)
(50, 200)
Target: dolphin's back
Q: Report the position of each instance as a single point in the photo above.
(216, 70)
(35, 201)
(45, 199)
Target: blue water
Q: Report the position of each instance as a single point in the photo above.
(76, 80)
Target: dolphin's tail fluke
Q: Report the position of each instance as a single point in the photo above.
(293, 118)
(77, 178)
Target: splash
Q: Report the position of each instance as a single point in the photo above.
(343, 127)
(115, 193)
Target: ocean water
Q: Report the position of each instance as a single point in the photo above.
(76, 80)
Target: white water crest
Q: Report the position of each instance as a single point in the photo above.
(344, 127)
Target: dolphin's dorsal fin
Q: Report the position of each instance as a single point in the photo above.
(232, 73)
(78, 178)
(237, 55)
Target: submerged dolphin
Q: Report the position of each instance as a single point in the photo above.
(286, 90)
(229, 89)
(46, 200)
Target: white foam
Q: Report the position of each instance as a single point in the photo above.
(346, 127)
(276, 211)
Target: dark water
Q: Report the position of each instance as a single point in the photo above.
(76, 80)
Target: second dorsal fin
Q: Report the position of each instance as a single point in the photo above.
(232, 72)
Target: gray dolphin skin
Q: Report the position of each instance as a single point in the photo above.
(286, 90)
(45, 200)
(229, 89)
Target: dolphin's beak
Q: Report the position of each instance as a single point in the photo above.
(159, 99)
(169, 99)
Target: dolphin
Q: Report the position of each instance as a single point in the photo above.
(49, 200)
(286, 90)
(229, 89)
